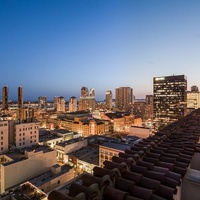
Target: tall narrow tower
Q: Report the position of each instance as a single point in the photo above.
(123, 97)
(20, 97)
(109, 99)
(5, 98)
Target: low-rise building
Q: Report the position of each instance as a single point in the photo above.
(54, 178)
(84, 159)
(26, 134)
(140, 132)
(21, 165)
(4, 143)
(69, 146)
(109, 149)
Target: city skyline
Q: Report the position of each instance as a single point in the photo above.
(54, 48)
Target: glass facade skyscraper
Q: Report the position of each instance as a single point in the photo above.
(169, 99)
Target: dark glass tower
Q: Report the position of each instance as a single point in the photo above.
(20, 97)
(5, 98)
(169, 100)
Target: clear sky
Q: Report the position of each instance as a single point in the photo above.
(54, 47)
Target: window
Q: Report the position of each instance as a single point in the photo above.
(1, 138)
(23, 143)
(23, 138)
(1, 132)
(1, 143)
(23, 133)
(1, 148)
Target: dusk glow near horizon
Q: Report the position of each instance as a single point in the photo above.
(55, 47)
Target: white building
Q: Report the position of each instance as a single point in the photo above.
(193, 100)
(18, 167)
(3, 136)
(26, 134)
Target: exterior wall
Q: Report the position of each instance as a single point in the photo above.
(106, 153)
(139, 132)
(87, 103)
(193, 100)
(26, 134)
(61, 104)
(18, 172)
(72, 104)
(123, 97)
(75, 146)
(195, 161)
(87, 129)
(62, 151)
(4, 136)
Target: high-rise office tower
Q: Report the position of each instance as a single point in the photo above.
(87, 100)
(72, 104)
(123, 97)
(109, 99)
(42, 102)
(5, 98)
(170, 95)
(20, 97)
(194, 88)
(84, 92)
(149, 99)
(55, 102)
(92, 92)
(193, 98)
(61, 104)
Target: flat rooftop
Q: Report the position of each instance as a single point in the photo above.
(117, 146)
(65, 143)
(48, 176)
(19, 154)
(87, 154)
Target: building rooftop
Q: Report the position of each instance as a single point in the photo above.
(87, 154)
(19, 154)
(62, 131)
(116, 145)
(45, 135)
(152, 169)
(65, 143)
(26, 191)
(48, 176)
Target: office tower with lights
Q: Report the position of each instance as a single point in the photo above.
(87, 100)
(123, 98)
(55, 102)
(169, 99)
(72, 104)
(194, 88)
(20, 97)
(149, 99)
(42, 102)
(193, 98)
(61, 104)
(84, 92)
(109, 99)
(5, 98)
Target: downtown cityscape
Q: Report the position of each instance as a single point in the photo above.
(99, 100)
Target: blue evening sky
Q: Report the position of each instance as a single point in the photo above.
(54, 47)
